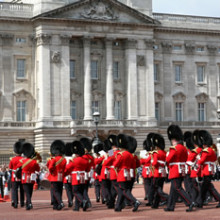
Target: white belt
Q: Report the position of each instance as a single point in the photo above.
(162, 162)
(210, 163)
(112, 166)
(78, 172)
(177, 163)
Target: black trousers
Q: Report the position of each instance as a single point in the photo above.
(124, 192)
(1, 186)
(188, 185)
(114, 189)
(97, 189)
(106, 187)
(28, 190)
(147, 185)
(207, 186)
(14, 192)
(78, 191)
(176, 190)
(156, 193)
(57, 189)
(85, 193)
(69, 192)
(194, 190)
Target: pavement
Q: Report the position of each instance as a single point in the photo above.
(42, 210)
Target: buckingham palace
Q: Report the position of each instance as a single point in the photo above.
(63, 60)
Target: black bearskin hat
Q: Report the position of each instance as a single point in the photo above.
(206, 138)
(149, 141)
(68, 149)
(175, 132)
(57, 147)
(86, 143)
(158, 141)
(113, 140)
(77, 148)
(123, 141)
(132, 144)
(196, 138)
(18, 147)
(28, 150)
(107, 145)
(188, 139)
(98, 147)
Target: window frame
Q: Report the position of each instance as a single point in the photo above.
(18, 69)
(21, 111)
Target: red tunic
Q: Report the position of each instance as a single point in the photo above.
(68, 178)
(135, 165)
(159, 160)
(78, 168)
(28, 174)
(191, 160)
(109, 162)
(123, 163)
(176, 161)
(90, 159)
(57, 171)
(97, 161)
(208, 159)
(13, 165)
(146, 172)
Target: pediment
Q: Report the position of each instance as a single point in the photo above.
(100, 10)
(22, 93)
(202, 97)
(179, 96)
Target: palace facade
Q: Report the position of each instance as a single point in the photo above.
(63, 60)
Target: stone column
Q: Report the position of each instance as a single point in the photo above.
(43, 79)
(65, 77)
(8, 83)
(150, 93)
(131, 67)
(109, 82)
(87, 80)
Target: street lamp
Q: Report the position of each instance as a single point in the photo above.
(218, 113)
(96, 118)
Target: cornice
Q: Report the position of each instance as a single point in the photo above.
(186, 31)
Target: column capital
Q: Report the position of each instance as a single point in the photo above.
(7, 39)
(149, 44)
(109, 41)
(189, 47)
(43, 39)
(167, 46)
(65, 39)
(86, 41)
(211, 49)
(131, 43)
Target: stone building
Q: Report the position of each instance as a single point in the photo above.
(62, 60)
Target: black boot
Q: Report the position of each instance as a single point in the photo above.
(136, 205)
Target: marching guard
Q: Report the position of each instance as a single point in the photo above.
(176, 161)
(16, 183)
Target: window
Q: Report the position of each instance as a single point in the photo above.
(200, 74)
(179, 111)
(156, 47)
(178, 73)
(21, 110)
(200, 49)
(95, 106)
(73, 109)
(72, 69)
(117, 108)
(94, 69)
(201, 111)
(156, 72)
(157, 111)
(177, 47)
(116, 69)
(21, 68)
(20, 40)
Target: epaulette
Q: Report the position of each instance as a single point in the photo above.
(10, 158)
(21, 160)
(119, 153)
(48, 158)
(89, 161)
(156, 151)
(194, 150)
(205, 150)
(173, 147)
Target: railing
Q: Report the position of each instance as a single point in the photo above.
(186, 18)
(17, 124)
(16, 10)
(191, 124)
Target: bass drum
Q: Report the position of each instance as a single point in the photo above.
(45, 183)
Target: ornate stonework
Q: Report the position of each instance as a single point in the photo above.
(141, 60)
(56, 57)
(166, 46)
(189, 47)
(97, 10)
(212, 49)
(179, 97)
(43, 39)
(202, 97)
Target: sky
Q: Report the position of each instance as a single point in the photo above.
(210, 8)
